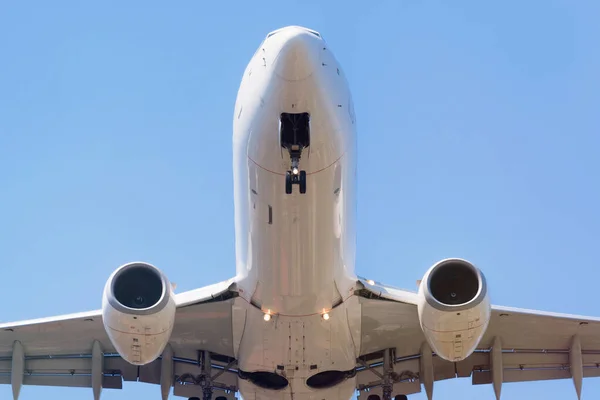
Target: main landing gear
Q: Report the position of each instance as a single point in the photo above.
(383, 389)
(294, 136)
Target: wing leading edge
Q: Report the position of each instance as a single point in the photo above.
(74, 350)
(519, 345)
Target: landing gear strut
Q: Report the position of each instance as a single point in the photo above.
(388, 377)
(389, 356)
(294, 136)
(205, 380)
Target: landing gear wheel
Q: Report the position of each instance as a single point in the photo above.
(401, 397)
(288, 182)
(194, 398)
(295, 177)
(302, 182)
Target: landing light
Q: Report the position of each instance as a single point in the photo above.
(326, 316)
(295, 171)
(371, 282)
(267, 316)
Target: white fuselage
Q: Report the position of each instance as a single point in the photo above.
(295, 252)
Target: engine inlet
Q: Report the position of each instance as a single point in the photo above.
(138, 286)
(454, 282)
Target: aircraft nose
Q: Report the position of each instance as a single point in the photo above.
(298, 56)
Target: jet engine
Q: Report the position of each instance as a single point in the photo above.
(454, 308)
(138, 311)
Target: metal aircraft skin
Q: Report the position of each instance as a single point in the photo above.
(295, 322)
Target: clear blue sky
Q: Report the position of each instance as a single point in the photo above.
(479, 132)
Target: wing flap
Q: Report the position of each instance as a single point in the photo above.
(75, 371)
(517, 367)
(108, 382)
(442, 369)
(529, 375)
(485, 377)
(464, 368)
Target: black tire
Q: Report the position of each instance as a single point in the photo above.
(401, 397)
(288, 182)
(302, 181)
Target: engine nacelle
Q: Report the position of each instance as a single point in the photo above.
(138, 311)
(454, 308)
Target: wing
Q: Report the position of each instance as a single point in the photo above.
(74, 350)
(519, 345)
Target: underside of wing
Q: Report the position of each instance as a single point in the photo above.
(414, 345)
(101, 349)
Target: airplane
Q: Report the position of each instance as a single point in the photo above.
(296, 322)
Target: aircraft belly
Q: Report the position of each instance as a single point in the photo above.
(296, 242)
(297, 348)
(296, 344)
(309, 343)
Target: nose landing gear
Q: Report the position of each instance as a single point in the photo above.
(295, 177)
(294, 136)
